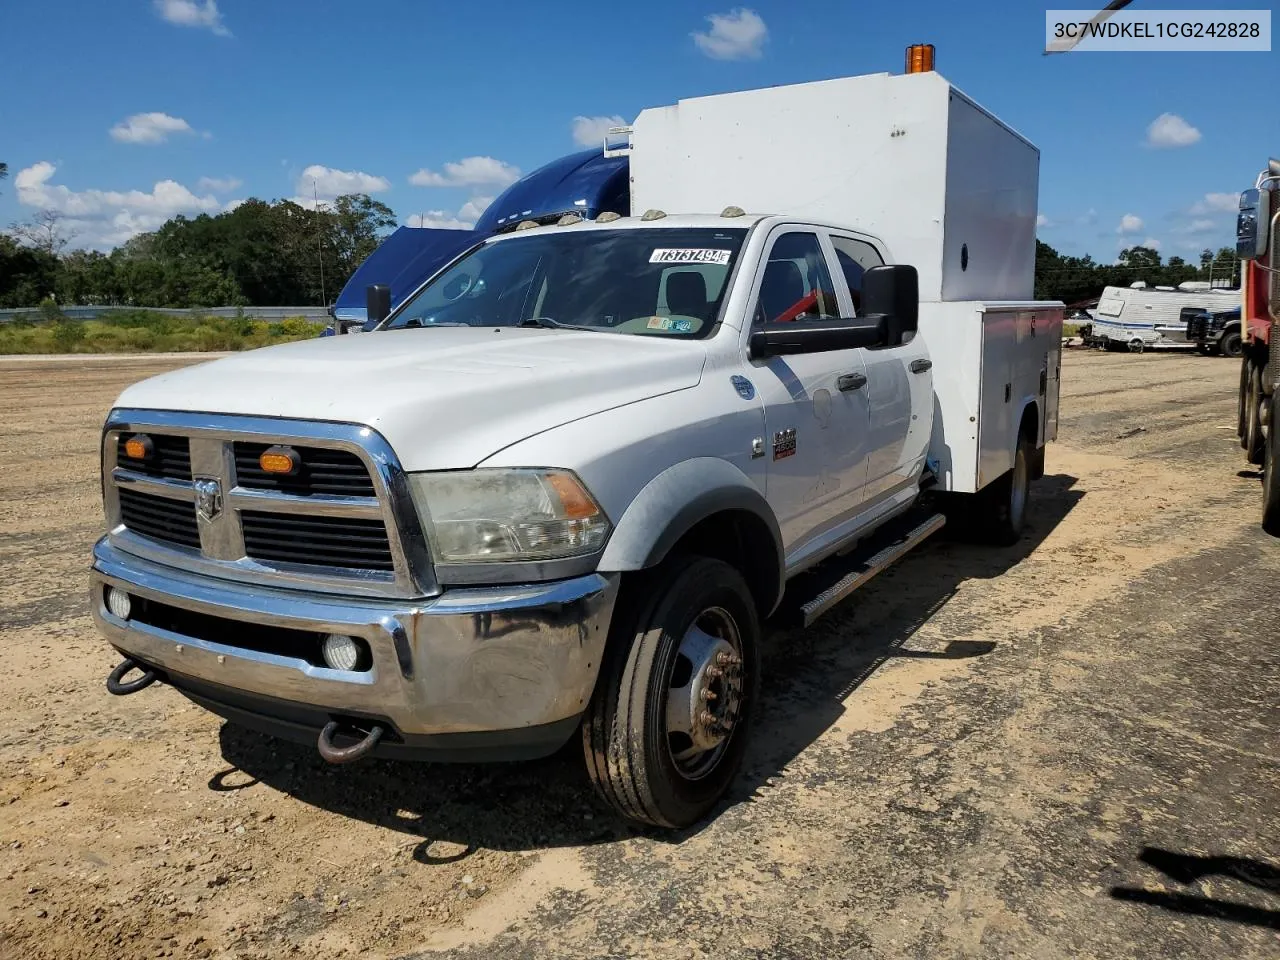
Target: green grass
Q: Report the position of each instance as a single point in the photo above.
(144, 332)
(1071, 329)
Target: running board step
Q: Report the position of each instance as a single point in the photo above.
(881, 551)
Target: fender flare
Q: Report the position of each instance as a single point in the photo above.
(674, 502)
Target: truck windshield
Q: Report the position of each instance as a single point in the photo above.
(652, 282)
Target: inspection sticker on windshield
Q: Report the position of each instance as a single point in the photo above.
(666, 323)
(689, 255)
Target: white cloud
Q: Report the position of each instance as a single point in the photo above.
(1089, 218)
(464, 219)
(232, 204)
(472, 209)
(590, 131)
(438, 218)
(218, 184)
(1130, 223)
(468, 172)
(1216, 203)
(1201, 226)
(1170, 130)
(1043, 221)
(737, 35)
(330, 183)
(106, 218)
(191, 13)
(1151, 242)
(149, 128)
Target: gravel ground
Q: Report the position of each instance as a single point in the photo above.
(1063, 749)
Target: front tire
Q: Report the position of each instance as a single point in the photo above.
(666, 730)
(1231, 345)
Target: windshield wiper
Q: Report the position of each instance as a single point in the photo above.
(550, 324)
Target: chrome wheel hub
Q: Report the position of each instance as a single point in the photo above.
(704, 698)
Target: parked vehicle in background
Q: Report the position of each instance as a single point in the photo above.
(563, 484)
(1215, 332)
(586, 184)
(1140, 318)
(1258, 244)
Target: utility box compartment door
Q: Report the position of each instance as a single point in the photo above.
(990, 361)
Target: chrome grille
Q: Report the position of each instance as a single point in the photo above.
(334, 472)
(173, 521)
(329, 541)
(172, 457)
(344, 523)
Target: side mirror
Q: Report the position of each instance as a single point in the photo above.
(893, 290)
(377, 301)
(815, 336)
(1252, 224)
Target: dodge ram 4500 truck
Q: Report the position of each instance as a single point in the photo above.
(557, 491)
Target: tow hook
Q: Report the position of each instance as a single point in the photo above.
(117, 685)
(334, 754)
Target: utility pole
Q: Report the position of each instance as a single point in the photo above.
(315, 194)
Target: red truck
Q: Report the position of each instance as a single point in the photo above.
(1258, 244)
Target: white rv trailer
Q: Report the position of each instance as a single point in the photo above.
(1141, 318)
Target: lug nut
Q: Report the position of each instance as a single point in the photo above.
(706, 717)
(708, 694)
(715, 673)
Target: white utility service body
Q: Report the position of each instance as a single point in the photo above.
(579, 513)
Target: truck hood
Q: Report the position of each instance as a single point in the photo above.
(445, 398)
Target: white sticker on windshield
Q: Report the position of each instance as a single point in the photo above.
(681, 255)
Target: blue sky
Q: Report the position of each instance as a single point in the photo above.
(121, 114)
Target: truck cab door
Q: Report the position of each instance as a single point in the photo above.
(899, 391)
(816, 414)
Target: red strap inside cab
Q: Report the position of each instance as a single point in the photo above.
(801, 306)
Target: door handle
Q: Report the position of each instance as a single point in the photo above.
(920, 366)
(851, 381)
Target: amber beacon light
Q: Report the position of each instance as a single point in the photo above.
(920, 58)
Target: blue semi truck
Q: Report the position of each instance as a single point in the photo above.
(588, 183)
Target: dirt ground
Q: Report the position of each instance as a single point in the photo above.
(1063, 749)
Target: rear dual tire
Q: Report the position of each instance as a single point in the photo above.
(1270, 467)
(1251, 435)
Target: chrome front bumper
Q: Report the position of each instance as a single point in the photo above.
(468, 661)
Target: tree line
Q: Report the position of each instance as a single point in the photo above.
(1080, 279)
(260, 254)
(281, 254)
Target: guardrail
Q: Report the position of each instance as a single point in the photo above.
(270, 314)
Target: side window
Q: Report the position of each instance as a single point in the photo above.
(796, 284)
(855, 258)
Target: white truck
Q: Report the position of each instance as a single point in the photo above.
(559, 489)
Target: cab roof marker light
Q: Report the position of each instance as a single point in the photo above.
(733, 212)
(653, 215)
(608, 217)
(568, 220)
(527, 224)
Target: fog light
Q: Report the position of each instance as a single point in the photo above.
(340, 652)
(118, 603)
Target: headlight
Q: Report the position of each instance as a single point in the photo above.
(482, 516)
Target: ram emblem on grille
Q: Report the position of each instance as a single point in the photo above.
(208, 497)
